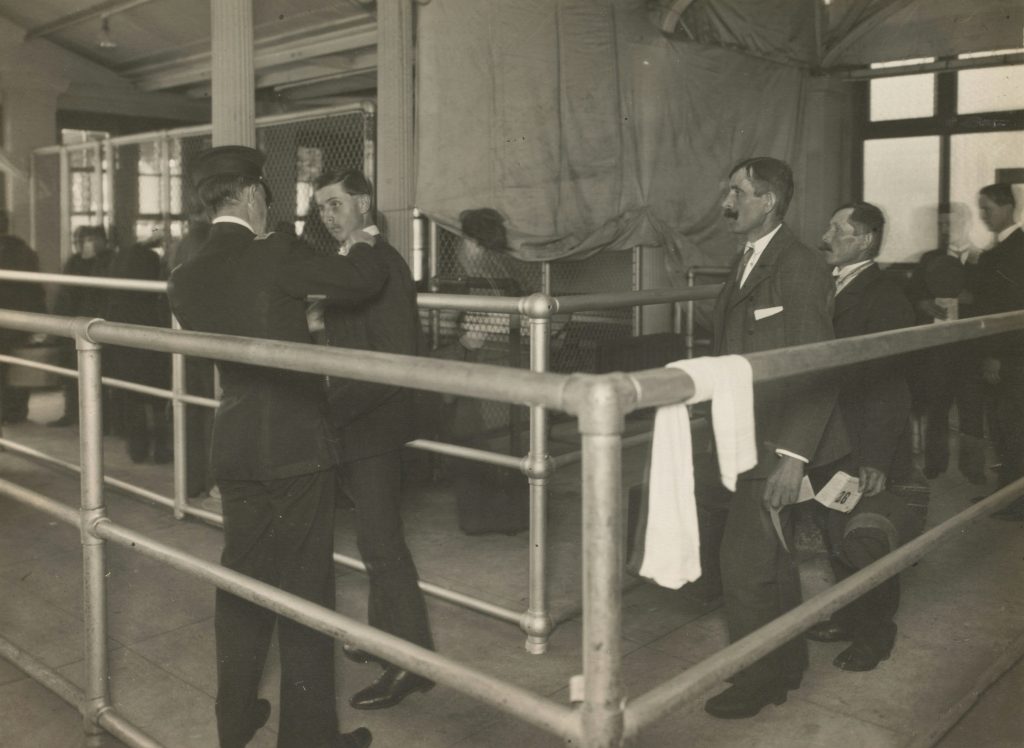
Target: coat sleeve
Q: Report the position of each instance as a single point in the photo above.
(884, 401)
(807, 294)
(351, 279)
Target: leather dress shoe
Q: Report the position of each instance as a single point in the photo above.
(361, 656)
(828, 631)
(393, 685)
(859, 658)
(358, 738)
(744, 700)
(258, 714)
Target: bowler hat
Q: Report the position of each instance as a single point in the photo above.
(229, 161)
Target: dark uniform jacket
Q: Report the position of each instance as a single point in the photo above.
(138, 308)
(82, 301)
(15, 254)
(785, 302)
(874, 398)
(373, 418)
(999, 287)
(270, 423)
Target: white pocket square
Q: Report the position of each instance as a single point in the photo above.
(768, 311)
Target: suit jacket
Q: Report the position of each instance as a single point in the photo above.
(999, 287)
(373, 418)
(271, 423)
(15, 254)
(874, 398)
(138, 308)
(790, 289)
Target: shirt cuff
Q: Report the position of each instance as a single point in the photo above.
(794, 455)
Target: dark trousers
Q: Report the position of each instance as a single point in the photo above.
(953, 375)
(760, 582)
(14, 403)
(198, 427)
(876, 526)
(280, 532)
(396, 605)
(146, 426)
(1009, 421)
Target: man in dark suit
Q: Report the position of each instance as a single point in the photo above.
(875, 403)
(15, 254)
(778, 295)
(273, 453)
(1000, 288)
(373, 421)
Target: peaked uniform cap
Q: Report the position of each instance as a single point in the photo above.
(229, 161)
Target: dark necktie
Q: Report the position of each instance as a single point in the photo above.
(743, 264)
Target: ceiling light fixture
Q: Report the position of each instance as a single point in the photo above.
(105, 40)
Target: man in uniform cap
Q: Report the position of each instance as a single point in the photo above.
(273, 454)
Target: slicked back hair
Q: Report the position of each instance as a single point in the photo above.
(218, 191)
(352, 181)
(1000, 193)
(867, 218)
(769, 174)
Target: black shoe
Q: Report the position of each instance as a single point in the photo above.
(743, 700)
(358, 738)
(828, 631)
(859, 658)
(393, 685)
(64, 420)
(361, 656)
(259, 713)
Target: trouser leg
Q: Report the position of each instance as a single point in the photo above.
(396, 603)
(1010, 422)
(280, 532)
(761, 582)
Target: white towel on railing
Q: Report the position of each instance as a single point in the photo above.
(671, 541)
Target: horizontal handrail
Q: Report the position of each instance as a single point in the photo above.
(699, 679)
(91, 281)
(622, 299)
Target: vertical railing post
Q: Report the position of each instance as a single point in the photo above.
(90, 415)
(638, 274)
(432, 265)
(164, 151)
(601, 426)
(179, 425)
(65, 205)
(536, 621)
(690, 309)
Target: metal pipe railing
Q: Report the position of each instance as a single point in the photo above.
(601, 403)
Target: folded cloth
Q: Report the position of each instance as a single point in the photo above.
(671, 540)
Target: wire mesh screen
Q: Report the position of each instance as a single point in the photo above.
(136, 185)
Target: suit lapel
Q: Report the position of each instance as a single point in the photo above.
(762, 271)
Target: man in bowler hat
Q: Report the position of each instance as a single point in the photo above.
(273, 454)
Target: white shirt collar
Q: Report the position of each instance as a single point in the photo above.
(234, 219)
(346, 245)
(759, 247)
(1001, 236)
(844, 275)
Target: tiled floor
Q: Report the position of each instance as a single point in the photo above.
(963, 607)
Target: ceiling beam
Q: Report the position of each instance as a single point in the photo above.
(107, 8)
(869, 23)
(268, 53)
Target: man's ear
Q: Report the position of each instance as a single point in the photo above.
(770, 200)
(363, 203)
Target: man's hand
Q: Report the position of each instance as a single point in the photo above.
(929, 308)
(362, 236)
(783, 485)
(872, 481)
(990, 370)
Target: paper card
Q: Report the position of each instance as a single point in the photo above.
(841, 493)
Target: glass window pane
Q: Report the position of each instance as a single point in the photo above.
(990, 89)
(901, 176)
(149, 194)
(974, 159)
(903, 97)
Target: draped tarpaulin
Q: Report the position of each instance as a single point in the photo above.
(587, 128)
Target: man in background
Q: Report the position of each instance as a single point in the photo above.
(999, 287)
(373, 422)
(874, 400)
(15, 254)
